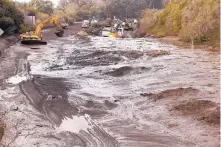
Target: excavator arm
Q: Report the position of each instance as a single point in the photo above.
(36, 37)
(55, 21)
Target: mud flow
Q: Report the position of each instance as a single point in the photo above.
(104, 92)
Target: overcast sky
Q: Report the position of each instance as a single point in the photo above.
(54, 1)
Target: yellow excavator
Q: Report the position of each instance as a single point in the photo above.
(30, 38)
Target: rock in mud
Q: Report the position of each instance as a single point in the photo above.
(14, 108)
(131, 54)
(127, 70)
(121, 71)
(158, 53)
(109, 104)
(93, 30)
(116, 101)
(35, 48)
(82, 33)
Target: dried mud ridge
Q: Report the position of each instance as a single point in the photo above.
(179, 92)
(105, 58)
(201, 110)
(127, 70)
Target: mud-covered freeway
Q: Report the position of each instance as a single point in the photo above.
(105, 92)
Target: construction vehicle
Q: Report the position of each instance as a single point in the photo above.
(30, 38)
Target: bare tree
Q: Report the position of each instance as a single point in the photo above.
(126, 8)
(62, 5)
(45, 6)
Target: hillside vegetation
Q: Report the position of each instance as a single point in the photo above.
(10, 17)
(73, 10)
(192, 20)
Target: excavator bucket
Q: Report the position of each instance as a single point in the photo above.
(59, 33)
(33, 42)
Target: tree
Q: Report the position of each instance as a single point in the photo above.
(35, 3)
(199, 21)
(62, 5)
(126, 8)
(81, 3)
(44, 6)
(82, 9)
(47, 7)
(10, 17)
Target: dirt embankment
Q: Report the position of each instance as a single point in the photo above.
(183, 102)
(6, 43)
(174, 40)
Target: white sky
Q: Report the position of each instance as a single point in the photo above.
(54, 1)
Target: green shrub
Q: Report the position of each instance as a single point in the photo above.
(201, 39)
(192, 20)
(10, 17)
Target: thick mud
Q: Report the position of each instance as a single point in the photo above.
(171, 93)
(204, 110)
(126, 70)
(105, 92)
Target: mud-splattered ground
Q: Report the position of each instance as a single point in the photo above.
(104, 92)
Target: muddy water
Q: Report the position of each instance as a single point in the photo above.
(121, 92)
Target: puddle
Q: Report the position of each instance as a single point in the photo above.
(75, 124)
(18, 78)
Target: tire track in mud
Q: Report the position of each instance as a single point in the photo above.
(42, 96)
(29, 96)
(95, 136)
(121, 117)
(37, 99)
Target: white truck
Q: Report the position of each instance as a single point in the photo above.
(85, 24)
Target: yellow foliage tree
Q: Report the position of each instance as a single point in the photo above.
(195, 20)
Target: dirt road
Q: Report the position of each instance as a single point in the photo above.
(105, 92)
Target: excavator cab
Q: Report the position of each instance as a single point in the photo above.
(36, 38)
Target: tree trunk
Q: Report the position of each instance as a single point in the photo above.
(192, 43)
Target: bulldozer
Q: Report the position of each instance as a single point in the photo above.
(36, 38)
